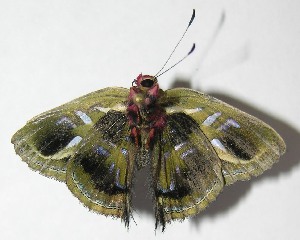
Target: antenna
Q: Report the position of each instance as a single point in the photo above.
(192, 50)
(190, 22)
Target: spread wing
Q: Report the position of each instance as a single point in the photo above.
(85, 144)
(47, 141)
(206, 144)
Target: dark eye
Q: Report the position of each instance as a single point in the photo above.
(147, 83)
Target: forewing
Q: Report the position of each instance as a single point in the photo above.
(246, 145)
(100, 173)
(186, 170)
(47, 141)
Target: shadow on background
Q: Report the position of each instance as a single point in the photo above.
(233, 194)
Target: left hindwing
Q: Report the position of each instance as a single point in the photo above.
(100, 172)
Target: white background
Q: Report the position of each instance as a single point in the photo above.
(54, 51)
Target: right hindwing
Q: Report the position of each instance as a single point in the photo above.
(186, 171)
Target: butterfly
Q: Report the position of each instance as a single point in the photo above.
(195, 145)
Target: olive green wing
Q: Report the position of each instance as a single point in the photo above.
(186, 171)
(100, 171)
(47, 142)
(245, 145)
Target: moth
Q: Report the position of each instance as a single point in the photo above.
(195, 145)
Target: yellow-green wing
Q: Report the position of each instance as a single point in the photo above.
(100, 172)
(186, 170)
(47, 141)
(246, 145)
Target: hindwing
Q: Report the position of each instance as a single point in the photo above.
(186, 170)
(100, 172)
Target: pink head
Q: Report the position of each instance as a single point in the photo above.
(145, 82)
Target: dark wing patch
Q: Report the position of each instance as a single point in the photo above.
(53, 137)
(238, 148)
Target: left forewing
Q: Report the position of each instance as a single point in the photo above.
(47, 141)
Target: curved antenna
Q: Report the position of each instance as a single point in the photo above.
(190, 22)
(192, 50)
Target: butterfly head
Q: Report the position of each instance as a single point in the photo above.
(144, 91)
(145, 82)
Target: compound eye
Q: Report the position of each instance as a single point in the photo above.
(148, 83)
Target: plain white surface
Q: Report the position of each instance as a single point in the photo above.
(54, 51)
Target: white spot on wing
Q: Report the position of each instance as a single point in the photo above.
(67, 121)
(188, 152)
(74, 141)
(102, 109)
(229, 122)
(118, 184)
(118, 107)
(175, 109)
(211, 119)
(216, 142)
(85, 118)
(102, 151)
(111, 167)
(233, 123)
(178, 146)
(172, 185)
(193, 110)
(124, 151)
